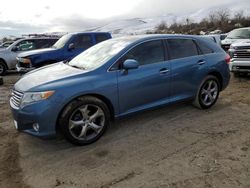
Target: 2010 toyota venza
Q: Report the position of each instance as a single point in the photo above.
(116, 78)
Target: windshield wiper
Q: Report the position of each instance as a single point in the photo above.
(82, 68)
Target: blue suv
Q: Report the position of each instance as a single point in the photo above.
(116, 78)
(65, 48)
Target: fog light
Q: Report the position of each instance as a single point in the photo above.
(36, 127)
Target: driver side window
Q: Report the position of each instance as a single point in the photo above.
(25, 45)
(146, 53)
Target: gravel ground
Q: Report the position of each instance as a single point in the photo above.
(175, 146)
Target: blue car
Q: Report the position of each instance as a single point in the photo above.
(116, 78)
(66, 48)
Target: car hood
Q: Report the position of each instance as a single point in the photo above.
(231, 41)
(35, 52)
(242, 43)
(46, 75)
(3, 50)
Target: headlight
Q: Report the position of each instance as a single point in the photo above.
(233, 47)
(24, 60)
(31, 97)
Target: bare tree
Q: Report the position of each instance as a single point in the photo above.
(212, 17)
(162, 26)
(238, 16)
(223, 15)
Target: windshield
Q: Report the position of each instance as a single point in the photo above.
(99, 54)
(239, 34)
(6, 44)
(62, 41)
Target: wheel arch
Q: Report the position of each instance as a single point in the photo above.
(98, 96)
(219, 77)
(2, 60)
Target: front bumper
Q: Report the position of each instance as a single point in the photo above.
(242, 66)
(23, 69)
(40, 113)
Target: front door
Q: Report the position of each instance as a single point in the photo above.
(148, 85)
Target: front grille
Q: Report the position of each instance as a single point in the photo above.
(242, 67)
(241, 54)
(16, 97)
(243, 47)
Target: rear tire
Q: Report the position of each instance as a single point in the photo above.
(3, 68)
(207, 93)
(84, 120)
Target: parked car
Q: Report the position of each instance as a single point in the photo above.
(214, 38)
(117, 78)
(223, 36)
(237, 35)
(8, 55)
(66, 48)
(240, 54)
(6, 44)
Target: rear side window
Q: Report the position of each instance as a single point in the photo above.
(204, 48)
(101, 37)
(147, 53)
(181, 48)
(83, 41)
(45, 43)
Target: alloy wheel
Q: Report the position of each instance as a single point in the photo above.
(209, 92)
(86, 122)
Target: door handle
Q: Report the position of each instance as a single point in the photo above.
(164, 71)
(201, 62)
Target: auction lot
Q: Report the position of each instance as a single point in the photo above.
(174, 146)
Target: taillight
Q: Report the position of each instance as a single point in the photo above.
(227, 59)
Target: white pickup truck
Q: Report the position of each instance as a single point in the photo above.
(236, 35)
(240, 57)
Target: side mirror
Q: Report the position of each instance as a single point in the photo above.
(130, 64)
(71, 46)
(14, 49)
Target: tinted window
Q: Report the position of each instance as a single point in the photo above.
(101, 37)
(180, 48)
(204, 48)
(45, 43)
(83, 41)
(147, 53)
(26, 45)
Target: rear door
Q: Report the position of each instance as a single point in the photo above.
(186, 63)
(148, 85)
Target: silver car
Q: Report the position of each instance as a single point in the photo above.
(240, 57)
(8, 55)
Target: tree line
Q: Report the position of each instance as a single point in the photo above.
(217, 20)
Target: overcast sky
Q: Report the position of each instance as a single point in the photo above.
(30, 16)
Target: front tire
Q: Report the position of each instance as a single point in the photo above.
(3, 68)
(208, 93)
(84, 120)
